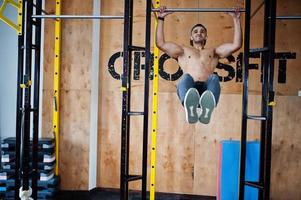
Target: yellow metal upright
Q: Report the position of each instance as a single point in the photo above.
(18, 5)
(20, 17)
(56, 83)
(154, 114)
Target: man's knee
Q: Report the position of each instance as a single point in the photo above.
(186, 77)
(213, 77)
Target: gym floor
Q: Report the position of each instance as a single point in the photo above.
(113, 194)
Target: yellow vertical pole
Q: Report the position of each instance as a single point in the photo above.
(18, 5)
(56, 83)
(20, 16)
(154, 113)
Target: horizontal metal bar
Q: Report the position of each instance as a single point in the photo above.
(257, 50)
(33, 46)
(254, 184)
(135, 113)
(134, 177)
(137, 48)
(77, 16)
(288, 17)
(198, 10)
(256, 117)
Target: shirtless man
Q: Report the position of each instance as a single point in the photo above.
(198, 64)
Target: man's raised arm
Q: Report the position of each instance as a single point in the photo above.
(227, 49)
(170, 48)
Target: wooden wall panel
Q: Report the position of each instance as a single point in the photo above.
(75, 92)
(48, 71)
(109, 140)
(286, 151)
(175, 148)
(74, 139)
(287, 40)
(175, 162)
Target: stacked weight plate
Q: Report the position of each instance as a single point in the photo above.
(47, 181)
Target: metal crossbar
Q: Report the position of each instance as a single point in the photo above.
(289, 17)
(199, 10)
(78, 16)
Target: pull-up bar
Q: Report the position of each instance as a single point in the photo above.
(199, 10)
(288, 17)
(78, 16)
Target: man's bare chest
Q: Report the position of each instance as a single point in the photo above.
(200, 60)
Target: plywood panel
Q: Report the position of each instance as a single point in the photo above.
(74, 139)
(205, 167)
(75, 92)
(49, 48)
(74, 136)
(47, 113)
(286, 175)
(175, 162)
(109, 140)
(110, 102)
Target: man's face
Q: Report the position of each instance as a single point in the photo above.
(199, 35)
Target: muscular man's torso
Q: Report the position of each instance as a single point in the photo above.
(198, 63)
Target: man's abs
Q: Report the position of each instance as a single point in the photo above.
(198, 75)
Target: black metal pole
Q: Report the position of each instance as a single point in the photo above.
(146, 96)
(264, 100)
(19, 105)
(272, 30)
(36, 102)
(130, 40)
(27, 93)
(243, 141)
(124, 117)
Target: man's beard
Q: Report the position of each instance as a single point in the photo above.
(201, 42)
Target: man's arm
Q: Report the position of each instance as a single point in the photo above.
(227, 49)
(172, 49)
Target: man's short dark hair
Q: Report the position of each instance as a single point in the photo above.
(197, 25)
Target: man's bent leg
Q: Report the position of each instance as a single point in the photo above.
(213, 85)
(209, 98)
(189, 97)
(183, 86)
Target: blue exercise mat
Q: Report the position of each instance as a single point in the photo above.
(229, 169)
